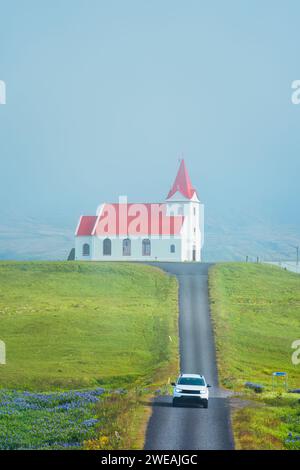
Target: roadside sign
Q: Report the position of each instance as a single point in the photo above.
(278, 375)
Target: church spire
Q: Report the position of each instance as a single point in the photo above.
(182, 183)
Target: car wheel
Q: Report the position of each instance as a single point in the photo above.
(175, 402)
(205, 404)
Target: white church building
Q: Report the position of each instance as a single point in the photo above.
(172, 230)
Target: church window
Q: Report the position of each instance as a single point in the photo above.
(107, 247)
(126, 247)
(172, 248)
(146, 247)
(86, 250)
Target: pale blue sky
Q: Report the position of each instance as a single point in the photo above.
(102, 98)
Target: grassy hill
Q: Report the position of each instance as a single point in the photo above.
(256, 314)
(71, 325)
(103, 328)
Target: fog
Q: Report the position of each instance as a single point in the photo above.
(102, 99)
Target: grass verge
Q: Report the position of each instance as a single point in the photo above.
(256, 317)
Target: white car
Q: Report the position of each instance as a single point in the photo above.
(191, 387)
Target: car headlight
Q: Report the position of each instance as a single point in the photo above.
(178, 390)
(202, 391)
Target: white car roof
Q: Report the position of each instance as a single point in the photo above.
(191, 375)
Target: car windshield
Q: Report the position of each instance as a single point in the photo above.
(191, 381)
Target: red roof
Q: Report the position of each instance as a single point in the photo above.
(86, 225)
(182, 183)
(131, 219)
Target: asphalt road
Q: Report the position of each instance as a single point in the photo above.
(190, 427)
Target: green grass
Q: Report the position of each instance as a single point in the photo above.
(256, 315)
(71, 325)
(272, 423)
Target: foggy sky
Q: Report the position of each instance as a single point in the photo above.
(104, 97)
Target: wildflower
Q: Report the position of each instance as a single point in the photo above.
(90, 422)
(104, 440)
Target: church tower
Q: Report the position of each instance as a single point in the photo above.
(182, 199)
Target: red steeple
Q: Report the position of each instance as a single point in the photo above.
(182, 183)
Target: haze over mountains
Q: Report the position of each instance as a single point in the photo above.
(227, 237)
(235, 237)
(27, 238)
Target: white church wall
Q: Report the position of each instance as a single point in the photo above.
(193, 226)
(79, 242)
(201, 216)
(160, 249)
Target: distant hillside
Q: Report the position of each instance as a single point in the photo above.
(25, 238)
(227, 238)
(233, 238)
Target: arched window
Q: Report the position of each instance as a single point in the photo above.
(180, 210)
(146, 247)
(126, 247)
(172, 248)
(107, 247)
(86, 250)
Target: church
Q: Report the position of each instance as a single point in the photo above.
(171, 230)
